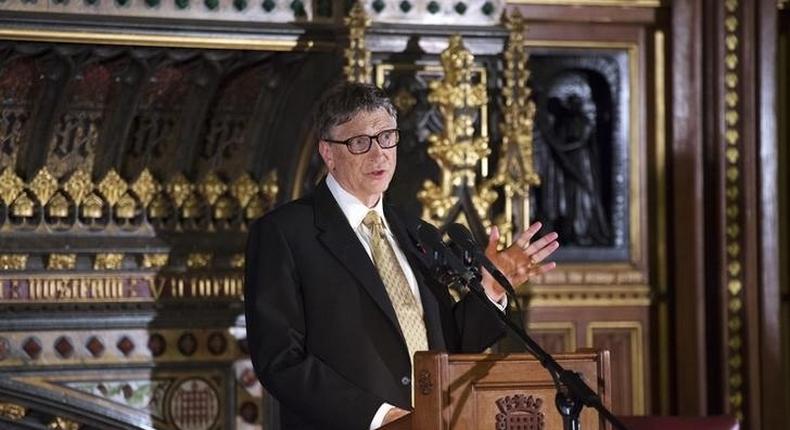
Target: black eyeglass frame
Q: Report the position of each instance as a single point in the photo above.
(347, 142)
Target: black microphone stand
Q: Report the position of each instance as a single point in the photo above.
(572, 392)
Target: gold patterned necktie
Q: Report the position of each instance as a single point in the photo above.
(407, 308)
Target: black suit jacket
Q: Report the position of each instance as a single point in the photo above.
(323, 335)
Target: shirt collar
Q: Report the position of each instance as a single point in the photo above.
(354, 210)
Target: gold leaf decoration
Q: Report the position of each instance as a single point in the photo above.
(92, 206)
(269, 186)
(159, 207)
(63, 424)
(358, 66)
(456, 89)
(125, 209)
(61, 261)
(43, 185)
(212, 187)
(108, 261)
(244, 188)
(145, 187)
(112, 187)
(404, 101)
(58, 206)
(199, 260)
(192, 207)
(154, 261)
(10, 186)
(179, 189)
(456, 149)
(237, 261)
(224, 208)
(23, 206)
(255, 209)
(13, 261)
(78, 186)
(515, 173)
(12, 411)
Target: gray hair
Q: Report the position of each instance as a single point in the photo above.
(344, 100)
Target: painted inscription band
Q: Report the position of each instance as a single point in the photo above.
(134, 288)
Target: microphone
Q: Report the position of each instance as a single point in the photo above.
(446, 266)
(461, 236)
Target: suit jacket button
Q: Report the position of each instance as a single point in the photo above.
(405, 380)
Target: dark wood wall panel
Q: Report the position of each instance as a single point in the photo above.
(783, 94)
(622, 329)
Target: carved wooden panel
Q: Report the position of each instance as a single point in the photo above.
(622, 329)
(624, 341)
(472, 391)
(554, 337)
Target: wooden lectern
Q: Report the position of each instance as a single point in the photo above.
(497, 391)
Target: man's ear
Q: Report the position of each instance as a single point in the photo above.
(326, 155)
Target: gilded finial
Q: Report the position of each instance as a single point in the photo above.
(358, 67)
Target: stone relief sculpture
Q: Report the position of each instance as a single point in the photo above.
(571, 195)
(583, 149)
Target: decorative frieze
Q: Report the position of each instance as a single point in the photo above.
(108, 261)
(113, 346)
(79, 204)
(61, 261)
(154, 261)
(439, 12)
(217, 10)
(13, 261)
(89, 288)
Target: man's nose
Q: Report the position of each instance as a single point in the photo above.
(375, 146)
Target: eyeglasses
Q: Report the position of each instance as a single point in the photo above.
(362, 143)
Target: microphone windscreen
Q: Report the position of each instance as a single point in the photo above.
(429, 236)
(461, 235)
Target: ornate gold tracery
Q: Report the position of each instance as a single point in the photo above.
(358, 67)
(515, 172)
(457, 149)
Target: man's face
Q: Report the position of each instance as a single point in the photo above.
(366, 176)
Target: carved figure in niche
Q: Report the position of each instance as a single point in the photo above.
(571, 198)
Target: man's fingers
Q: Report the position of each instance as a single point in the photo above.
(493, 239)
(541, 243)
(523, 238)
(543, 268)
(544, 252)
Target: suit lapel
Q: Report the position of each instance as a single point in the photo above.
(404, 234)
(338, 237)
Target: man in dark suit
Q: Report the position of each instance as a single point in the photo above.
(336, 302)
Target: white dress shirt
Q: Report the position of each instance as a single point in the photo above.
(355, 211)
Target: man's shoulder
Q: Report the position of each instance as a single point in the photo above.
(291, 214)
(406, 216)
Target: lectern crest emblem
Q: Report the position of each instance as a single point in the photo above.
(520, 412)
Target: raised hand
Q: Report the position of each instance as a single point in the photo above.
(520, 261)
